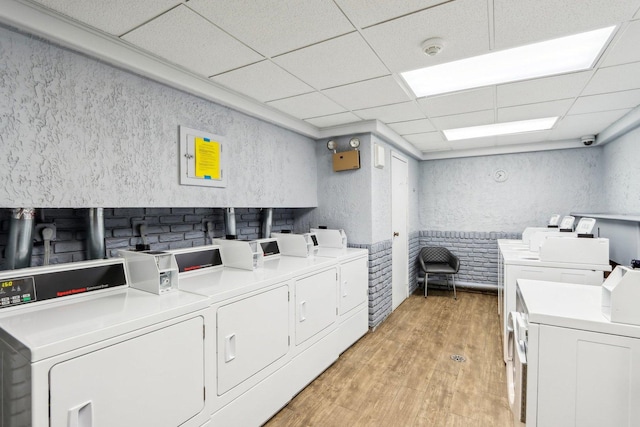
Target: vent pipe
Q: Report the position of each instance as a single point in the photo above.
(20, 243)
(230, 223)
(95, 234)
(267, 222)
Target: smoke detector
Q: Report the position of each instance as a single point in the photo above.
(432, 46)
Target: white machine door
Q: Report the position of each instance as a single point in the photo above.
(516, 369)
(155, 379)
(252, 334)
(316, 306)
(354, 282)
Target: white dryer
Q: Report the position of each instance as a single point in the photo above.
(81, 348)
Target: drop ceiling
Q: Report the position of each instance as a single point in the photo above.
(332, 66)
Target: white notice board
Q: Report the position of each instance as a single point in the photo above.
(202, 158)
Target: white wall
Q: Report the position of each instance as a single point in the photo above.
(75, 132)
(461, 194)
(621, 164)
(359, 201)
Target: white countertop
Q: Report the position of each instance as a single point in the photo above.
(570, 306)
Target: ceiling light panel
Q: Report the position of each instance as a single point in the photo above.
(563, 55)
(500, 129)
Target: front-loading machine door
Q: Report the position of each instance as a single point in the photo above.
(517, 368)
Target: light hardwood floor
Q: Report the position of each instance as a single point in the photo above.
(402, 374)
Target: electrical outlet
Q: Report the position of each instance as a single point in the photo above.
(37, 232)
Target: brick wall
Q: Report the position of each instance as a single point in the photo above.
(380, 303)
(478, 252)
(167, 228)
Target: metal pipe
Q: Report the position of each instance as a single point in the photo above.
(20, 243)
(95, 234)
(267, 222)
(230, 223)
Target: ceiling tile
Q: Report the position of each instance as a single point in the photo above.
(429, 141)
(336, 62)
(462, 24)
(115, 17)
(460, 102)
(368, 93)
(519, 22)
(469, 144)
(523, 138)
(273, 27)
(541, 90)
(203, 49)
(614, 79)
(412, 126)
(250, 80)
(455, 121)
(585, 124)
(334, 120)
(393, 113)
(625, 49)
(534, 111)
(307, 106)
(364, 14)
(606, 102)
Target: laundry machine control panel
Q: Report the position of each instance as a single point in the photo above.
(30, 285)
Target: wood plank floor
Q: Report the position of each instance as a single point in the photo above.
(402, 373)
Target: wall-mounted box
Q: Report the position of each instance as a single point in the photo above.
(346, 160)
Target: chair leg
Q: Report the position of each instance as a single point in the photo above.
(426, 275)
(453, 279)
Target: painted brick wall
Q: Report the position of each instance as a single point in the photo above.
(167, 228)
(478, 252)
(380, 303)
(414, 248)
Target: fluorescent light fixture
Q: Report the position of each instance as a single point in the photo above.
(506, 128)
(563, 55)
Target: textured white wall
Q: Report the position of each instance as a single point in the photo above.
(461, 194)
(359, 201)
(75, 132)
(344, 198)
(621, 163)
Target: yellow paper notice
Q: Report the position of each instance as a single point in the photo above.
(207, 159)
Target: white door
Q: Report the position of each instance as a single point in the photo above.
(400, 245)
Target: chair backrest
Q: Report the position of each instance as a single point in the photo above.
(435, 254)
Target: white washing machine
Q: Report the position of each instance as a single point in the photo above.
(81, 348)
(578, 368)
(516, 262)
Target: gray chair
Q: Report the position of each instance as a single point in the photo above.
(438, 260)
